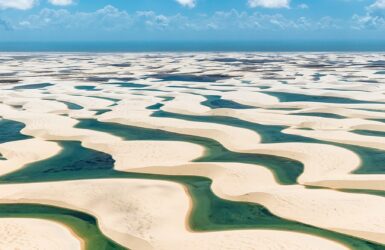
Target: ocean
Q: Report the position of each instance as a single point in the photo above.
(202, 46)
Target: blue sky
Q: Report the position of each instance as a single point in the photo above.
(123, 20)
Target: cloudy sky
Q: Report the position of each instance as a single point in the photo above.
(122, 20)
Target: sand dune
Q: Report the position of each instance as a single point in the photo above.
(20, 153)
(144, 214)
(124, 114)
(25, 234)
(327, 209)
(252, 183)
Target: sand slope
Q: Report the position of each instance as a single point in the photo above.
(26, 234)
(146, 214)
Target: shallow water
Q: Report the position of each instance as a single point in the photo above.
(291, 97)
(87, 88)
(216, 102)
(319, 114)
(286, 170)
(373, 160)
(369, 132)
(189, 78)
(72, 106)
(101, 111)
(33, 86)
(128, 84)
(155, 106)
(105, 98)
(10, 131)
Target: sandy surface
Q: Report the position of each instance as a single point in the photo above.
(49, 126)
(137, 154)
(128, 113)
(144, 214)
(252, 183)
(26, 234)
(20, 153)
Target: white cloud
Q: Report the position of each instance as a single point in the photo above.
(61, 2)
(17, 4)
(368, 22)
(303, 6)
(378, 4)
(187, 3)
(112, 19)
(374, 19)
(269, 3)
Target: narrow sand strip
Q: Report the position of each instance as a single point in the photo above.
(138, 154)
(20, 153)
(250, 98)
(346, 112)
(341, 137)
(316, 123)
(125, 114)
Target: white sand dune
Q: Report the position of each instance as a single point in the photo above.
(252, 183)
(181, 101)
(26, 234)
(318, 164)
(44, 106)
(55, 127)
(137, 154)
(345, 111)
(146, 214)
(129, 114)
(316, 123)
(341, 212)
(20, 153)
(319, 167)
(312, 151)
(250, 98)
